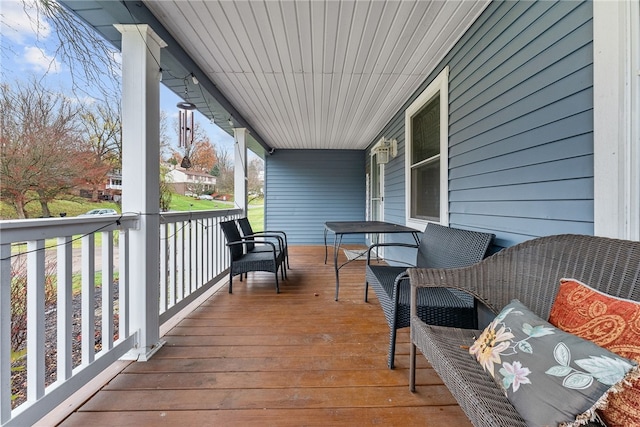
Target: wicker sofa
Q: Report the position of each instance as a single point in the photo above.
(530, 272)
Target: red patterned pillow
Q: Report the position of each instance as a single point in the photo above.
(610, 322)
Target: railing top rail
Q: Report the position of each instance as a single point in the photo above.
(21, 230)
(169, 217)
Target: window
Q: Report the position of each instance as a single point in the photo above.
(376, 191)
(426, 129)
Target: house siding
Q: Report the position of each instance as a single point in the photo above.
(306, 188)
(520, 124)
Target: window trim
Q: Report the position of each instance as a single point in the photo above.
(439, 85)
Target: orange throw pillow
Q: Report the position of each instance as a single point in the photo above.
(610, 322)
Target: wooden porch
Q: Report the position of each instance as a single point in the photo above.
(289, 359)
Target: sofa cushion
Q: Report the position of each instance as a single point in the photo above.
(610, 322)
(550, 376)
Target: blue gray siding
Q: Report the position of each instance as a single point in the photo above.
(306, 188)
(520, 124)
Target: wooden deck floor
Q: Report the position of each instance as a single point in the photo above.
(297, 358)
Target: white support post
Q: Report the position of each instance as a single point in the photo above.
(616, 128)
(141, 180)
(240, 169)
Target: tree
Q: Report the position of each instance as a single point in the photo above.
(103, 143)
(203, 156)
(92, 60)
(255, 177)
(38, 143)
(223, 170)
(165, 188)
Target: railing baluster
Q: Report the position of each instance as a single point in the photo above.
(64, 309)
(107, 290)
(123, 285)
(88, 299)
(180, 262)
(209, 255)
(195, 258)
(163, 266)
(173, 263)
(35, 320)
(189, 256)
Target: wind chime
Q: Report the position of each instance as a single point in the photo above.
(185, 118)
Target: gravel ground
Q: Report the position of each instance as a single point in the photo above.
(19, 377)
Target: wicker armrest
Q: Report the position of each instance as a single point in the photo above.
(245, 242)
(467, 279)
(397, 245)
(265, 235)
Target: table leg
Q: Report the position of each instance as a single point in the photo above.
(337, 241)
(325, 246)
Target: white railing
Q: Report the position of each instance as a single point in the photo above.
(192, 256)
(60, 264)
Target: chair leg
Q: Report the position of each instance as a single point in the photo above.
(412, 368)
(366, 291)
(277, 284)
(231, 282)
(392, 348)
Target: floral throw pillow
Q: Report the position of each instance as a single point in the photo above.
(610, 322)
(550, 376)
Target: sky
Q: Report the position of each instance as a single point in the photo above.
(29, 52)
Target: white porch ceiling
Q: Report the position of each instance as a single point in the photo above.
(316, 74)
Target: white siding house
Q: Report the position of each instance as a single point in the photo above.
(188, 182)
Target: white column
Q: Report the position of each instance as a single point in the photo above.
(141, 179)
(240, 169)
(616, 127)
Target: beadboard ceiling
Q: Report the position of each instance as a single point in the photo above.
(312, 74)
(317, 74)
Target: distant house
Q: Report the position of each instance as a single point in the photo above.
(113, 188)
(189, 182)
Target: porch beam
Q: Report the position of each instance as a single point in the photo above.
(141, 180)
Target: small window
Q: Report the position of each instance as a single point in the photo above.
(426, 128)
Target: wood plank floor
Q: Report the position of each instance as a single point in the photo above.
(297, 358)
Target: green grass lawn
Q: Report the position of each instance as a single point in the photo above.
(256, 217)
(186, 203)
(74, 206)
(77, 206)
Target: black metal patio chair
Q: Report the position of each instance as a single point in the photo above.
(243, 261)
(249, 234)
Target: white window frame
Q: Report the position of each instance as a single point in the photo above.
(439, 85)
(379, 171)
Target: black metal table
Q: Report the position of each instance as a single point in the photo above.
(340, 228)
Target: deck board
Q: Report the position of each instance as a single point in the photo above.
(294, 358)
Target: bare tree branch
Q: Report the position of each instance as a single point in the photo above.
(92, 61)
